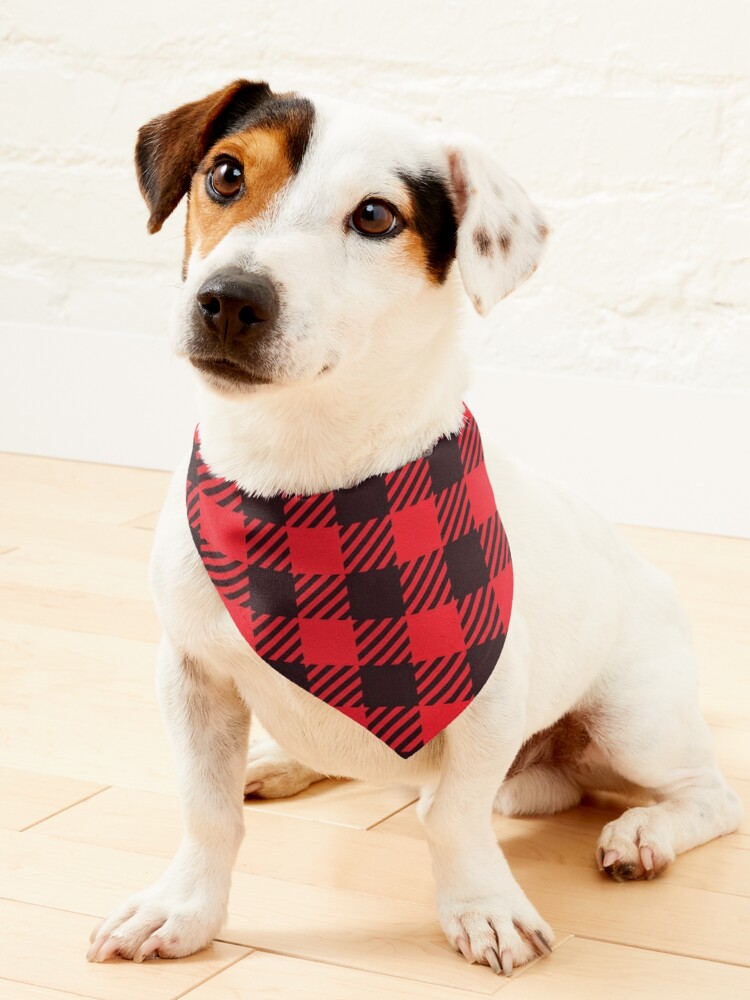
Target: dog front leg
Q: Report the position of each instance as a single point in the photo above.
(180, 914)
(484, 912)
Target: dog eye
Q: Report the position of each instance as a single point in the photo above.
(224, 181)
(374, 217)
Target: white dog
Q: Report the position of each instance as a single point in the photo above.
(320, 308)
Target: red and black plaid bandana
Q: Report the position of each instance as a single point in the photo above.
(389, 601)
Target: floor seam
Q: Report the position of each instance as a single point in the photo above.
(70, 805)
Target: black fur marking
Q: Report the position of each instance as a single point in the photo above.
(434, 219)
(292, 114)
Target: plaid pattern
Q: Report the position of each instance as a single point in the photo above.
(389, 601)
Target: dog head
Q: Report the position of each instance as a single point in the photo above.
(320, 231)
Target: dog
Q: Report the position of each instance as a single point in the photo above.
(326, 246)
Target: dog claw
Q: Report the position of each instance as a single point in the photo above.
(149, 949)
(609, 858)
(463, 947)
(647, 860)
(493, 961)
(95, 933)
(94, 949)
(506, 963)
(541, 943)
(107, 950)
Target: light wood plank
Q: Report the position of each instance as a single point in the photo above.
(45, 948)
(583, 968)
(79, 611)
(59, 567)
(276, 846)
(338, 926)
(20, 527)
(358, 804)
(277, 977)
(27, 798)
(71, 701)
(147, 522)
(312, 881)
(678, 910)
(390, 860)
(732, 751)
(85, 491)
(26, 991)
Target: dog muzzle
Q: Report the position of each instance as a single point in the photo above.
(389, 601)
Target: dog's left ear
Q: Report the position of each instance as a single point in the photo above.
(501, 234)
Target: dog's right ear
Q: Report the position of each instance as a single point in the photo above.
(170, 147)
(501, 234)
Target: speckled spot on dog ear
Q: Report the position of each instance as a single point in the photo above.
(542, 231)
(504, 241)
(482, 242)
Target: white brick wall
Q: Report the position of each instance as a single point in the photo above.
(628, 121)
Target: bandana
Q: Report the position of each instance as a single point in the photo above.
(389, 601)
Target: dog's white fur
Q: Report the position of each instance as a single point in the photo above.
(595, 630)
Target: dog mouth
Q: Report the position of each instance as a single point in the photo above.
(226, 371)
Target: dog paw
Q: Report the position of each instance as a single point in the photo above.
(636, 845)
(272, 774)
(150, 925)
(490, 932)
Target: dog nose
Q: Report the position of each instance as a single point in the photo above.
(234, 304)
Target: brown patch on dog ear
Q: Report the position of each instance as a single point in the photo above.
(504, 241)
(170, 147)
(482, 242)
(542, 231)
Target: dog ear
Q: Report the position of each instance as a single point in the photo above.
(501, 234)
(170, 147)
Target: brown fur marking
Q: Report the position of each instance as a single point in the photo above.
(561, 745)
(263, 153)
(504, 241)
(482, 242)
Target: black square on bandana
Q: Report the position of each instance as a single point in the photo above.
(392, 685)
(445, 464)
(467, 569)
(271, 592)
(268, 510)
(363, 502)
(375, 594)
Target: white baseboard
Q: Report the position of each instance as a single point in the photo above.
(657, 455)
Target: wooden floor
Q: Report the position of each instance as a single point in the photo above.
(332, 895)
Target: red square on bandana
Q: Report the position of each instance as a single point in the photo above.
(435, 633)
(480, 494)
(315, 550)
(416, 530)
(326, 641)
